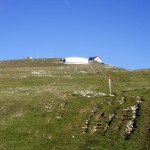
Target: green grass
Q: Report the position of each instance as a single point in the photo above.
(39, 110)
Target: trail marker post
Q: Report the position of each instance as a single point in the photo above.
(109, 81)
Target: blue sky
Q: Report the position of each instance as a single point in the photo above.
(116, 30)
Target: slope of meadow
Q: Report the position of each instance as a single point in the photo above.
(48, 105)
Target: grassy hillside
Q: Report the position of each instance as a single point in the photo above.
(46, 105)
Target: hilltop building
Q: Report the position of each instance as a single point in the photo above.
(95, 59)
(29, 57)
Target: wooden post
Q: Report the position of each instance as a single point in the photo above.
(109, 81)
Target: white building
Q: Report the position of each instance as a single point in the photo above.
(95, 59)
(29, 57)
(75, 60)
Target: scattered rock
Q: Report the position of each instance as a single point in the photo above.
(87, 93)
(122, 100)
(130, 124)
(139, 99)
